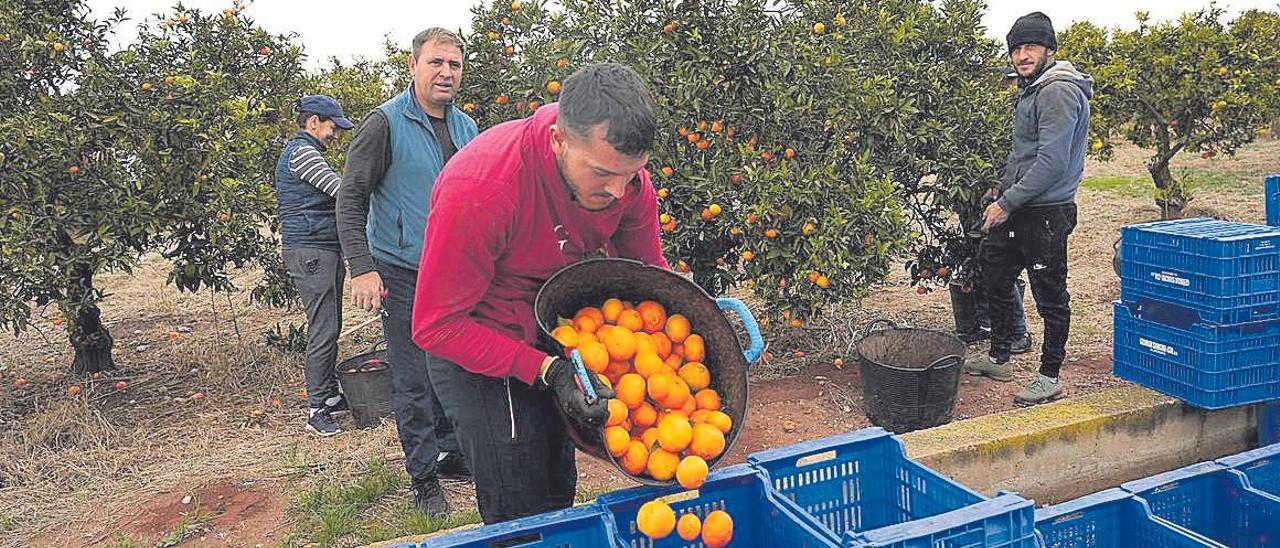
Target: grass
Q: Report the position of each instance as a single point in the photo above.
(1199, 179)
(329, 514)
(184, 529)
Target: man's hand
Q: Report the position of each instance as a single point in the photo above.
(367, 291)
(562, 378)
(994, 216)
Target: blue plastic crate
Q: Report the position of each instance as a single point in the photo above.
(1110, 519)
(1005, 521)
(1260, 466)
(1214, 501)
(578, 527)
(1201, 238)
(759, 519)
(1269, 423)
(1272, 187)
(1219, 310)
(858, 482)
(1187, 283)
(1206, 366)
(1226, 265)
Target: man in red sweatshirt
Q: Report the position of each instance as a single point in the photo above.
(518, 203)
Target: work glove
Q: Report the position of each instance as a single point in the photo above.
(561, 377)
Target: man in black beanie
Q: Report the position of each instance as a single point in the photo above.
(1034, 211)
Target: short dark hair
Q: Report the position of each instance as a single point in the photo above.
(303, 116)
(613, 94)
(437, 33)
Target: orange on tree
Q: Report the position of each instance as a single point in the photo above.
(717, 529)
(553, 87)
(502, 100)
(771, 233)
(823, 282)
(692, 472)
(655, 519)
(662, 465)
(705, 441)
(617, 440)
(675, 433)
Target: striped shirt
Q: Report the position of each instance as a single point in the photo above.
(308, 165)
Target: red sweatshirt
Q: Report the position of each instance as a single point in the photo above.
(502, 221)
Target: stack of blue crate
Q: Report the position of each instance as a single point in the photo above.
(1199, 311)
(1272, 186)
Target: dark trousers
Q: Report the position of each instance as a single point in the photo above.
(318, 275)
(972, 312)
(520, 454)
(424, 429)
(1033, 239)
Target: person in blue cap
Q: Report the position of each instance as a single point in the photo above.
(306, 191)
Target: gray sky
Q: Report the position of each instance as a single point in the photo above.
(348, 29)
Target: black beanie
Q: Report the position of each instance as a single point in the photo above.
(1032, 28)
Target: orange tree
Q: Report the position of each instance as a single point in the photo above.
(799, 159)
(1196, 84)
(165, 147)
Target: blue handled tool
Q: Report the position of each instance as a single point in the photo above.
(584, 376)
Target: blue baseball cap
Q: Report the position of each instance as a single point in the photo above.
(325, 107)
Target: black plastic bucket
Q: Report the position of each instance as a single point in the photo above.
(910, 376)
(590, 282)
(366, 383)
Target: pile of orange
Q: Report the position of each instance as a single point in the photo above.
(666, 421)
(657, 520)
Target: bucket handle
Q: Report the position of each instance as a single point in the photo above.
(753, 352)
(380, 345)
(871, 326)
(948, 358)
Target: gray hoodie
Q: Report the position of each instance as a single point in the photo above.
(1050, 138)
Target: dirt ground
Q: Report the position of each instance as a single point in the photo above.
(152, 463)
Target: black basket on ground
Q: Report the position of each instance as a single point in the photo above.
(590, 282)
(910, 376)
(366, 383)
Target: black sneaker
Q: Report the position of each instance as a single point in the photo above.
(428, 498)
(339, 409)
(321, 423)
(451, 465)
(1022, 345)
(976, 336)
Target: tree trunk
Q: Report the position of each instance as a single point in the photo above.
(1171, 198)
(91, 340)
(92, 343)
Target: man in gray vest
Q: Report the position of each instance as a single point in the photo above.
(391, 167)
(305, 191)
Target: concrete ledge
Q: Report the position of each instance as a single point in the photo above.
(1078, 446)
